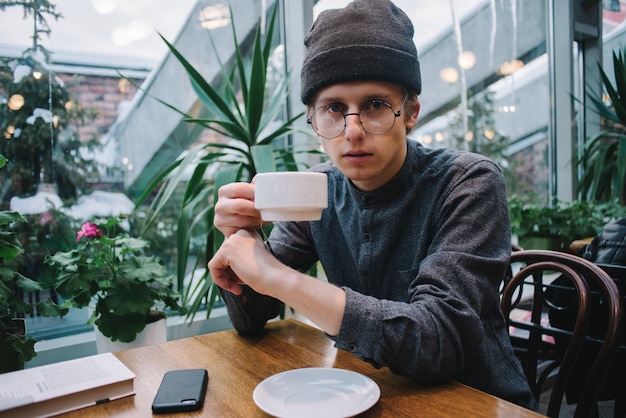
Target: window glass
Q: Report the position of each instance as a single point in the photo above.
(485, 83)
(93, 68)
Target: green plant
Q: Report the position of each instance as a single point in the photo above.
(39, 118)
(247, 111)
(108, 269)
(43, 234)
(563, 221)
(602, 159)
(15, 288)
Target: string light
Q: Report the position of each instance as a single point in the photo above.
(214, 17)
(509, 67)
(8, 134)
(449, 75)
(466, 60)
(16, 102)
(54, 122)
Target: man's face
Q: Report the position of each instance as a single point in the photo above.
(369, 160)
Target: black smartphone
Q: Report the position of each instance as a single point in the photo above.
(181, 391)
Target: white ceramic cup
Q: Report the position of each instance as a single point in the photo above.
(291, 195)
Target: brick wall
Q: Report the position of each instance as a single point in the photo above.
(103, 94)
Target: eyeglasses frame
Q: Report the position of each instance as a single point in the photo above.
(345, 123)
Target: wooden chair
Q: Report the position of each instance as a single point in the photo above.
(617, 376)
(549, 353)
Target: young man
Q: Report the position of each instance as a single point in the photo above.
(415, 242)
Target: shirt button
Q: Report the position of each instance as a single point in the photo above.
(366, 236)
(352, 348)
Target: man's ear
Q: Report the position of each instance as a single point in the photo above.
(413, 110)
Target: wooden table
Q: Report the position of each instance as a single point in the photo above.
(237, 364)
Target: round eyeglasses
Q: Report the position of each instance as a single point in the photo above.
(375, 116)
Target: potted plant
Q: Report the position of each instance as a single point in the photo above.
(247, 111)
(539, 223)
(16, 346)
(109, 272)
(602, 158)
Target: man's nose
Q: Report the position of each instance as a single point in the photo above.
(353, 124)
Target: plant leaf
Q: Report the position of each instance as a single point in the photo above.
(263, 158)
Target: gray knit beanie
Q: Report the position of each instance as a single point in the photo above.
(366, 40)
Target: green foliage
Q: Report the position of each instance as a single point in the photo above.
(602, 159)
(483, 137)
(41, 235)
(247, 110)
(564, 221)
(39, 139)
(12, 283)
(109, 269)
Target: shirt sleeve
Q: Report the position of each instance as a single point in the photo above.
(250, 311)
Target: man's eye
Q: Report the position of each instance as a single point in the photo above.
(334, 108)
(375, 105)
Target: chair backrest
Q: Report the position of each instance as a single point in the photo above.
(617, 273)
(545, 349)
(616, 380)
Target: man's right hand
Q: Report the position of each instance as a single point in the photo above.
(235, 209)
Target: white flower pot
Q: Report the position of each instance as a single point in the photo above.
(153, 333)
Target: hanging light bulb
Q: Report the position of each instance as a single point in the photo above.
(509, 67)
(449, 75)
(466, 60)
(10, 131)
(37, 75)
(124, 86)
(214, 17)
(16, 101)
(104, 7)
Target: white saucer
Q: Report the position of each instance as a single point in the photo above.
(316, 392)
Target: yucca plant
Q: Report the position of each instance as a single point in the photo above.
(602, 159)
(246, 112)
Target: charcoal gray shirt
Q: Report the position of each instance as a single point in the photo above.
(421, 260)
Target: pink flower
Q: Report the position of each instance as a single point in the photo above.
(47, 218)
(88, 230)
